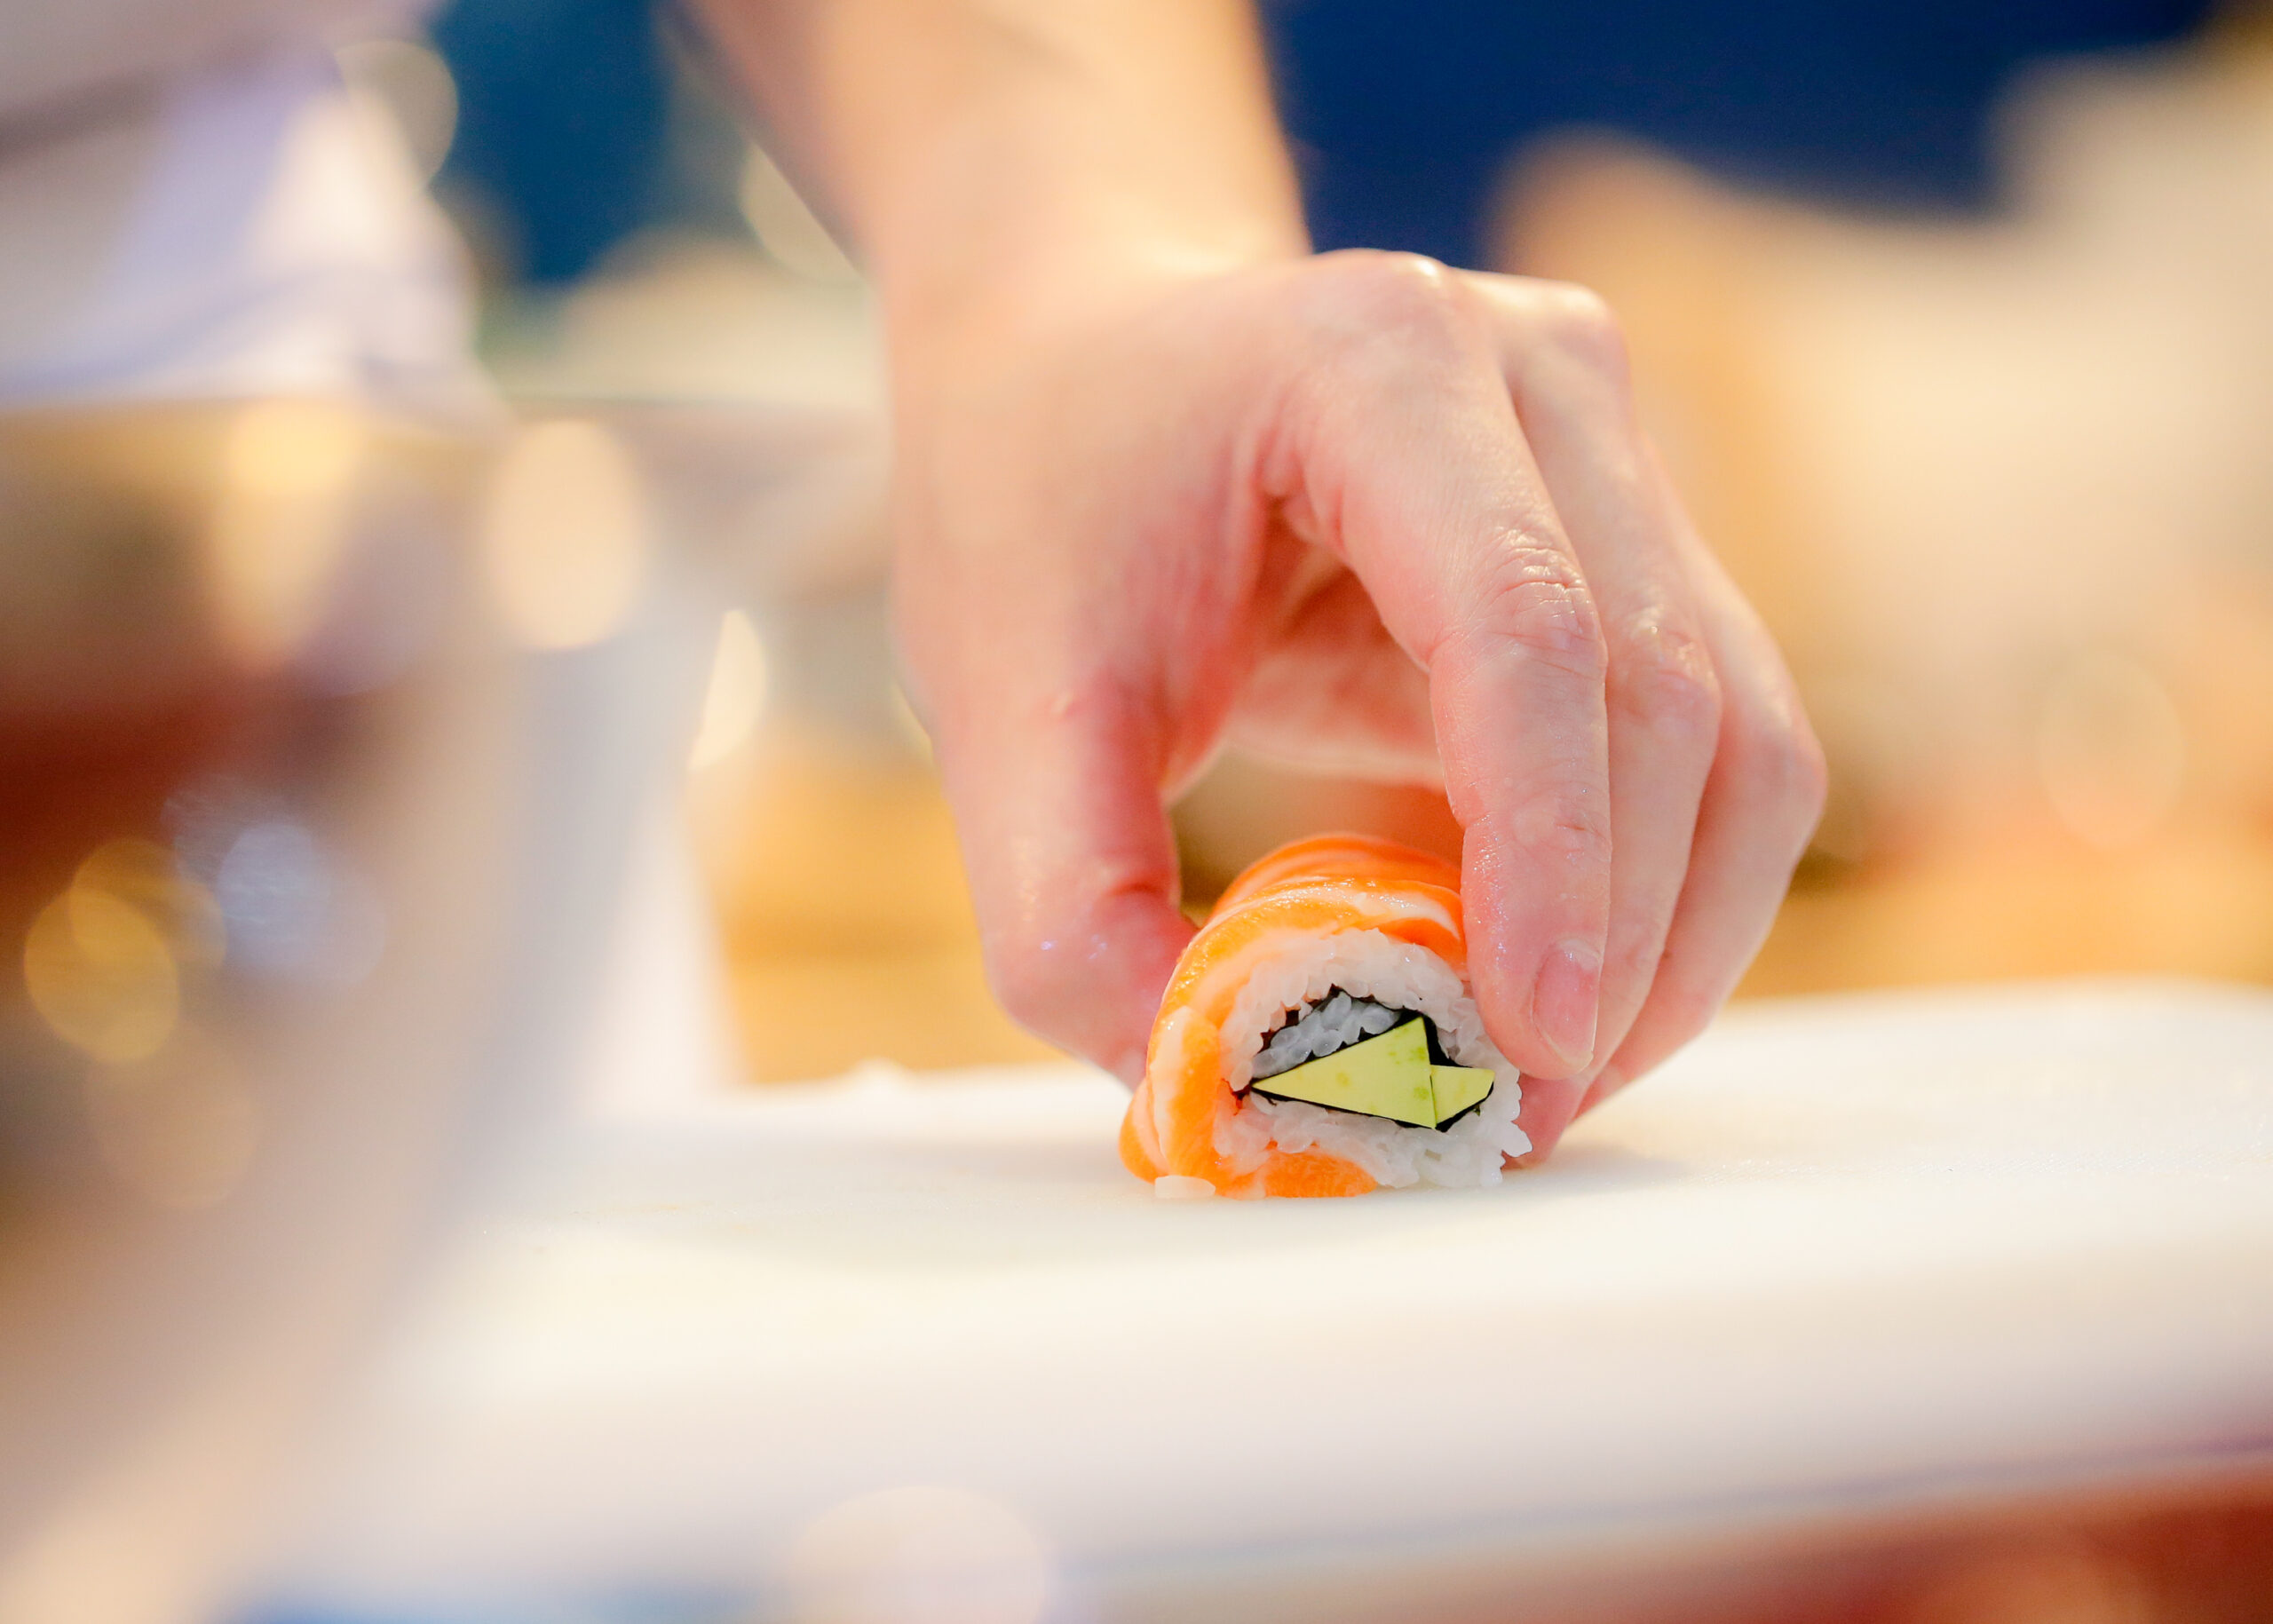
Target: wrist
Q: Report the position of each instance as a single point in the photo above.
(973, 301)
(983, 233)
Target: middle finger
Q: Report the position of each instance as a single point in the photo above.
(1565, 371)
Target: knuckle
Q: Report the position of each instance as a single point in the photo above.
(1534, 596)
(1579, 324)
(1561, 830)
(1803, 772)
(1402, 296)
(1778, 754)
(1661, 675)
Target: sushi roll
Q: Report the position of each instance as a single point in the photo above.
(1319, 1037)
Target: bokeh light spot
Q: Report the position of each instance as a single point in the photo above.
(280, 525)
(295, 912)
(736, 694)
(406, 87)
(101, 976)
(563, 538)
(908, 725)
(150, 879)
(791, 235)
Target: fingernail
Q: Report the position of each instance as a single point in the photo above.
(1566, 1001)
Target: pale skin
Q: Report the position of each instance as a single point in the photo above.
(1168, 481)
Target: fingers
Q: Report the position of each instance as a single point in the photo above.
(1759, 807)
(1404, 456)
(1566, 370)
(1071, 863)
(1522, 591)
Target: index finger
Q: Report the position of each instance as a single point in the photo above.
(1407, 458)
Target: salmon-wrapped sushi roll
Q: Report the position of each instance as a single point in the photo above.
(1319, 1036)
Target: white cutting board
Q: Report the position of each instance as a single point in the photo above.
(1871, 1252)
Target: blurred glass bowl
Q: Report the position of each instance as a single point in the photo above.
(304, 870)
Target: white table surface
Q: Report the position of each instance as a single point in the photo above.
(1857, 1257)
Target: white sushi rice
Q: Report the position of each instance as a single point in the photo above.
(1368, 965)
(1323, 1029)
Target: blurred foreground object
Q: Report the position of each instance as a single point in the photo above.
(300, 877)
(2004, 491)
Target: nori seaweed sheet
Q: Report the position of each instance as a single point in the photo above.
(1437, 1056)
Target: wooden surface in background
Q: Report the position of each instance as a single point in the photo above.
(849, 935)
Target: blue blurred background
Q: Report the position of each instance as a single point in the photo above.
(577, 132)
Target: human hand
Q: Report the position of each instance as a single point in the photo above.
(1356, 512)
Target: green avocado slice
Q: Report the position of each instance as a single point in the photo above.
(1460, 1090)
(1385, 1076)
(1381, 1076)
